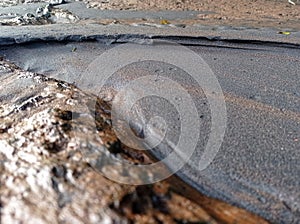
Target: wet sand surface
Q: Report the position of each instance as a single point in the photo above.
(51, 151)
(257, 165)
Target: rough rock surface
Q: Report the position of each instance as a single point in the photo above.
(47, 14)
(45, 177)
(6, 3)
